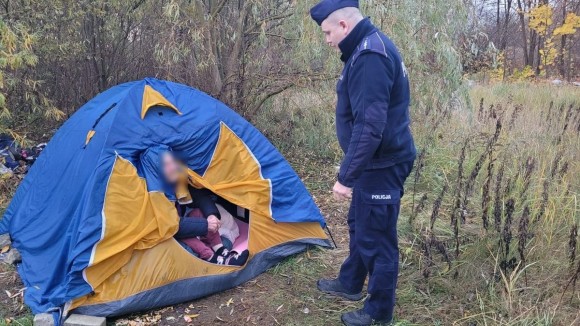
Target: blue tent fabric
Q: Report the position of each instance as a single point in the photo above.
(55, 218)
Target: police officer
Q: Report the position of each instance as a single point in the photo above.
(372, 122)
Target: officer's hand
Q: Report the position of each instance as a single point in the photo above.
(213, 223)
(341, 192)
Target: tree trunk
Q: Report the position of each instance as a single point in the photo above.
(522, 17)
(234, 60)
(562, 61)
(505, 29)
(497, 14)
(532, 48)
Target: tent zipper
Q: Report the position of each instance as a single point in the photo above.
(92, 132)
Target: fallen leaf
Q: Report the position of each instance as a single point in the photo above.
(170, 318)
(230, 301)
(189, 318)
(5, 249)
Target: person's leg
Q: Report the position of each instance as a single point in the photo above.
(353, 272)
(222, 253)
(188, 248)
(227, 243)
(190, 227)
(199, 247)
(379, 247)
(213, 240)
(376, 236)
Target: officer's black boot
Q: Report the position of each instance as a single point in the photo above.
(361, 318)
(335, 288)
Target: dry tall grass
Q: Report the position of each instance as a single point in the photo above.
(508, 221)
(489, 227)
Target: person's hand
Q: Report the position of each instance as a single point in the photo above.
(341, 192)
(213, 223)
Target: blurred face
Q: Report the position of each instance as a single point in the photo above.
(334, 31)
(171, 169)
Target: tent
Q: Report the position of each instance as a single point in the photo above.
(96, 238)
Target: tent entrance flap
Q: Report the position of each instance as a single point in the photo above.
(243, 184)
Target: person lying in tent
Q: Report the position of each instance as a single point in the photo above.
(199, 223)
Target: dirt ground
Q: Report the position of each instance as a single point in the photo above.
(11, 287)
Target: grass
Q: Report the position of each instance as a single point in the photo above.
(520, 270)
(520, 292)
(24, 321)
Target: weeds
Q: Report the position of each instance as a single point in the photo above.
(419, 165)
(506, 236)
(527, 196)
(529, 169)
(523, 236)
(485, 197)
(497, 202)
(572, 244)
(458, 209)
(418, 209)
(437, 206)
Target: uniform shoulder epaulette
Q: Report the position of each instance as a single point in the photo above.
(371, 43)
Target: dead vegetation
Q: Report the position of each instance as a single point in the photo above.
(488, 230)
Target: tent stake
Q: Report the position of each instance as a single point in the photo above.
(331, 237)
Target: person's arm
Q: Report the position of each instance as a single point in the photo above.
(369, 90)
(202, 198)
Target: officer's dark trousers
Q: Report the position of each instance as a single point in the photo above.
(374, 250)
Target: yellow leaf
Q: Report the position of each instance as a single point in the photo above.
(189, 318)
(540, 18)
(5, 249)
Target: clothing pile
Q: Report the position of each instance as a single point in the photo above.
(15, 159)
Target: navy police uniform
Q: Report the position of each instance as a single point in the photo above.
(372, 121)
